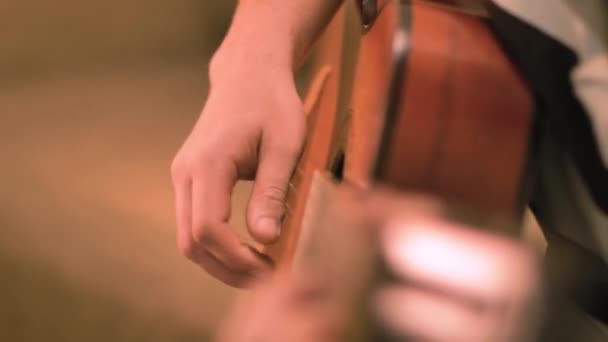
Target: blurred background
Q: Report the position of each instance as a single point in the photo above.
(95, 98)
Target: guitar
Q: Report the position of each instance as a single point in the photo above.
(419, 97)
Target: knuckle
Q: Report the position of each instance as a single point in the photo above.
(193, 161)
(177, 167)
(202, 232)
(207, 163)
(206, 158)
(274, 194)
(187, 248)
(186, 163)
(289, 148)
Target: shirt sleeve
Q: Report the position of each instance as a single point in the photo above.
(561, 48)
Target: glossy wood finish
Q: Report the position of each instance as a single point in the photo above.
(459, 129)
(321, 109)
(369, 99)
(463, 124)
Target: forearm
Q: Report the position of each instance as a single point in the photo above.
(273, 33)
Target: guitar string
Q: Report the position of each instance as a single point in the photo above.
(292, 188)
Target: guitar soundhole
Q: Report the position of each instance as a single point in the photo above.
(337, 167)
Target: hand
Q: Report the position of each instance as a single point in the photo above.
(252, 127)
(458, 284)
(451, 282)
(282, 309)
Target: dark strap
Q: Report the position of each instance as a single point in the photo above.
(579, 274)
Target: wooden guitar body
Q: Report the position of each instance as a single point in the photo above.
(458, 122)
(433, 105)
(320, 107)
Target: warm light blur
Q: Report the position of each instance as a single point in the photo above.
(95, 98)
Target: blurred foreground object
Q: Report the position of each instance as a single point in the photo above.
(383, 266)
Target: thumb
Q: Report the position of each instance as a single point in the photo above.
(267, 202)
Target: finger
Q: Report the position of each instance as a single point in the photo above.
(417, 313)
(183, 203)
(287, 303)
(267, 202)
(211, 203)
(183, 206)
(224, 244)
(457, 259)
(213, 266)
(375, 208)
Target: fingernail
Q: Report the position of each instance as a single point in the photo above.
(268, 227)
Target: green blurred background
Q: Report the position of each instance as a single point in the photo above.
(95, 98)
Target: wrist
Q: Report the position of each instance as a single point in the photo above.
(254, 44)
(238, 64)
